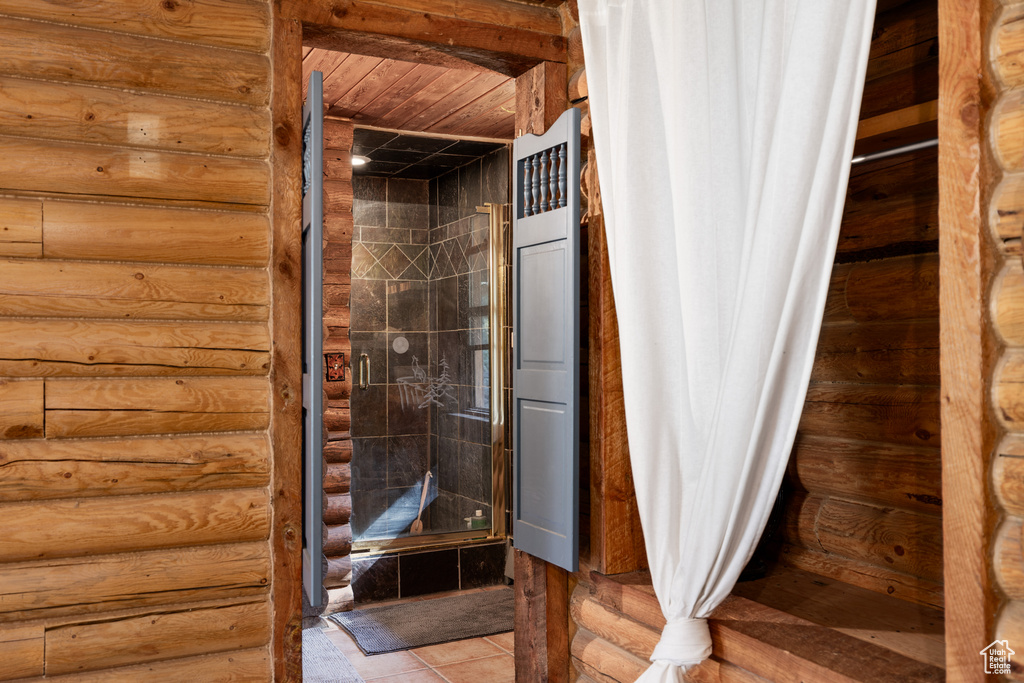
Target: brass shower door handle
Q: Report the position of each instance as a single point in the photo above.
(364, 371)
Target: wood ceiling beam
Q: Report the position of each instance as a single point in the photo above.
(501, 36)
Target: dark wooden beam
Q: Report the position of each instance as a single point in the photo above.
(286, 371)
(501, 36)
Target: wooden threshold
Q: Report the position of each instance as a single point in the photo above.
(790, 626)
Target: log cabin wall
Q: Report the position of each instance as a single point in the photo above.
(135, 340)
(338, 227)
(863, 496)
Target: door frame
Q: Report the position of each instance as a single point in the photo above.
(401, 30)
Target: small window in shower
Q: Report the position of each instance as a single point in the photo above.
(420, 332)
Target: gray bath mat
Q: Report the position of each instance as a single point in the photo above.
(321, 661)
(378, 630)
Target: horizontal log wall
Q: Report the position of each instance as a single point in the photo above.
(863, 495)
(338, 223)
(135, 343)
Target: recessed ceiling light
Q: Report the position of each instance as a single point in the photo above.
(358, 160)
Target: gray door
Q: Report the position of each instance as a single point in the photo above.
(545, 342)
(312, 338)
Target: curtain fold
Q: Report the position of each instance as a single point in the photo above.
(723, 131)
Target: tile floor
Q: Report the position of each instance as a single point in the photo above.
(463, 661)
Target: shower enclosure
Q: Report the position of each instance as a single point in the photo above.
(425, 426)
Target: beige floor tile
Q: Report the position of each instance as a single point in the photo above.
(343, 641)
(390, 664)
(498, 669)
(506, 641)
(421, 676)
(457, 651)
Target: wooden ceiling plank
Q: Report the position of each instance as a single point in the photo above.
(370, 87)
(448, 84)
(324, 61)
(404, 89)
(396, 27)
(499, 122)
(446, 106)
(342, 81)
(454, 122)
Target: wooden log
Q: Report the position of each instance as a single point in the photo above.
(612, 626)
(73, 528)
(889, 538)
(77, 113)
(338, 451)
(337, 477)
(1009, 312)
(916, 84)
(1006, 47)
(878, 579)
(1009, 389)
(500, 12)
(339, 508)
(1008, 474)
(115, 407)
(891, 226)
(338, 390)
(338, 228)
(79, 230)
(603, 661)
(905, 541)
(161, 635)
(54, 288)
(1008, 130)
(903, 26)
(51, 51)
(339, 600)
(235, 665)
(891, 290)
(890, 414)
(22, 650)
(1008, 558)
(1006, 213)
(286, 371)
(21, 409)
(339, 572)
(38, 469)
(46, 166)
(337, 419)
(398, 27)
(244, 25)
(90, 348)
(878, 353)
(21, 227)
(337, 198)
(903, 476)
(48, 589)
(338, 135)
(337, 540)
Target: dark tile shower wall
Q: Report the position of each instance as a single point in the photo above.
(459, 309)
(420, 306)
(390, 431)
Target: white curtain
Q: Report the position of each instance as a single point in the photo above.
(724, 131)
